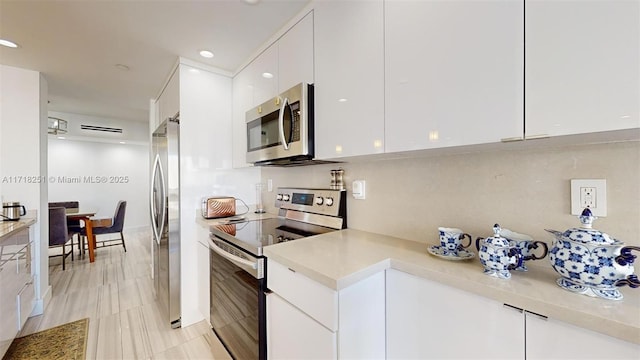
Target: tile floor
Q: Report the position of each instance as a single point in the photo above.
(116, 294)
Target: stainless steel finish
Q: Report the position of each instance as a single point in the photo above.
(315, 219)
(304, 146)
(337, 207)
(248, 263)
(165, 218)
(283, 139)
(12, 211)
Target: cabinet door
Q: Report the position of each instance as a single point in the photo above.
(295, 55)
(263, 72)
(205, 103)
(242, 101)
(453, 72)
(549, 338)
(582, 72)
(428, 320)
(9, 281)
(169, 102)
(349, 74)
(291, 334)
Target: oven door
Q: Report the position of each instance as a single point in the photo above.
(282, 127)
(238, 305)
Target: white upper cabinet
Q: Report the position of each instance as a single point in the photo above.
(454, 73)
(287, 62)
(263, 76)
(295, 55)
(349, 74)
(242, 101)
(169, 101)
(582, 66)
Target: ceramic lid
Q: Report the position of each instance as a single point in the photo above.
(496, 239)
(585, 234)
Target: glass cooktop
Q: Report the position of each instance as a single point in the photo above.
(252, 236)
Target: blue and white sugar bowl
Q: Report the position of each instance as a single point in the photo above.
(592, 262)
(498, 255)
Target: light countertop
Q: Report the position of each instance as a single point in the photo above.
(342, 258)
(8, 228)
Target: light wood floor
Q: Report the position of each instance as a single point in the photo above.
(116, 294)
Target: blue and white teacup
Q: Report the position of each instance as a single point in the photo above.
(452, 240)
(525, 245)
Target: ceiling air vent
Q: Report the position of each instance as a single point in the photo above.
(101, 128)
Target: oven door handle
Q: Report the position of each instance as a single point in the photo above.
(233, 258)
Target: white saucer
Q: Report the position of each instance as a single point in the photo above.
(436, 250)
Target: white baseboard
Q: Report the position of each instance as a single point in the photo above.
(41, 304)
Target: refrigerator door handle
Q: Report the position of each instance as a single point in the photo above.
(157, 222)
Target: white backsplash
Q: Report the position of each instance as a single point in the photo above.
(522, 190)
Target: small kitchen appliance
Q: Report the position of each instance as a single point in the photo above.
(12, 211)
(280, 130)
(220, 206)
(238, 267)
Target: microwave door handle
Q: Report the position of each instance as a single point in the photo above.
(285, 103)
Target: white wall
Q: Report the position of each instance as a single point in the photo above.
(133, 132)
(23, 154)
(98, 175)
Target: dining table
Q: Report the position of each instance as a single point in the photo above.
(91, 221)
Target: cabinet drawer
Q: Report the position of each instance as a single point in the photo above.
(314, 299)
(26, 298)
(292, 334)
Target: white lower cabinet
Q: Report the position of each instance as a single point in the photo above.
(307, 320)
(428, 320)
(292, 334)
(17, 291)
(552, 339)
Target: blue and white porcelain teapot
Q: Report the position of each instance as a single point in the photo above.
(591, 262)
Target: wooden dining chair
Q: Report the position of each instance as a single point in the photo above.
(59, 235)
(115, 228)
(73, 226)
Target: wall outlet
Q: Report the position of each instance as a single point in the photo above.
(358, 189)
(591, 193)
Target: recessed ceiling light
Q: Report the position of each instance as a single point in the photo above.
(122, 142)
(8, 43)
(122, 67)
(61, 137)
(206, 54)
(251, 2)
(267, 75)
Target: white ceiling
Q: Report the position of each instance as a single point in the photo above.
(76, 45)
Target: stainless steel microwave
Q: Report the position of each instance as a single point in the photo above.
(280, 131)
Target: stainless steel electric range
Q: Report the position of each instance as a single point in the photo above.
(238, 268)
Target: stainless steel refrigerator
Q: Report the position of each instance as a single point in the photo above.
(165, 217)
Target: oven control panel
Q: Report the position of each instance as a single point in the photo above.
(318, 201)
